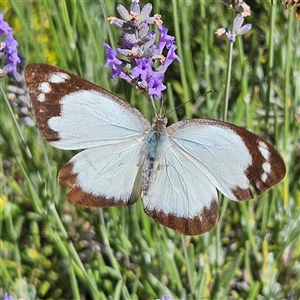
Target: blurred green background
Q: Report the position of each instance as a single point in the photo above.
(52, 249)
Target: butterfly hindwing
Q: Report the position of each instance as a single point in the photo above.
(104, 176)
(180, 196)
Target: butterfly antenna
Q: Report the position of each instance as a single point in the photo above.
(184, 103)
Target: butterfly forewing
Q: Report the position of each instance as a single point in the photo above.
(73, 113)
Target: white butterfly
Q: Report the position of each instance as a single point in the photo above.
(174, 169)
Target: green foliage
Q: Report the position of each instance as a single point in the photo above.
(52, 249)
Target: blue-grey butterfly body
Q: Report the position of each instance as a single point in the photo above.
(176, 170)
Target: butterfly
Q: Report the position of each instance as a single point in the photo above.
(176, 170)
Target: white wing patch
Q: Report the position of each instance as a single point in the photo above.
(111, 172)
(58, 77)
(180, 187)
(41, 97)
(263, 148)
(218, 151)
(45, 87)
(89, 119)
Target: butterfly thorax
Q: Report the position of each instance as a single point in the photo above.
(156, 146)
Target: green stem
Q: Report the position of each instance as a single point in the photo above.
(107, 245)
(228, 79)
(13, 237)
(270, 63)
(73, 282)
(287, 101)
(185, 87)
(186, 256)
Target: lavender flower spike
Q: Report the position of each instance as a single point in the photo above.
(8, 49)
(19, 94)
(141, 62)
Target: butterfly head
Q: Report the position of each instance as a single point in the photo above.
(159, 122)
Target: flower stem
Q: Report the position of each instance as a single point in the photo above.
(270, 76)
(287, 106)
(188, 265)
(228, 78)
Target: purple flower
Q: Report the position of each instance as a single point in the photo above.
(7, 297)
(4, 27)
(113, 61)
(141, 62)
(8, 49)
(155, 85)
(166, 298)
(171, 56)
(19, 94)
(143, 69)
(13, 66)
(237, 29)
(165, 39)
